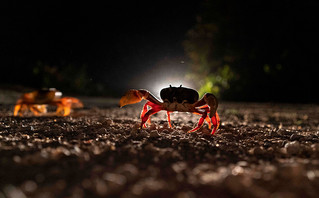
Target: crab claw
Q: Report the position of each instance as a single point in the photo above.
(131, 97)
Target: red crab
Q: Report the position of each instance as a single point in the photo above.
(179, 99)
(37, 102)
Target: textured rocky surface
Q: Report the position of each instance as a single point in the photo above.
(260, 150)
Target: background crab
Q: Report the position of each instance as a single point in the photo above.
(37, 102)
(180, 99)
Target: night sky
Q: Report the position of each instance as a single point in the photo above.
(138, 44)
(120, 43)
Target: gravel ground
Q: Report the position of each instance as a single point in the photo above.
(260, 150)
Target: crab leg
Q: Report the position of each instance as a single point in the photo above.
(145, 108)
(34, 110)
(65, 104)
(169, 119)
(216, 121)
(147, 115)
(63, 110)
(201, 120)
(209, 100)
(208, 120)
(16, 109)
(155, 108)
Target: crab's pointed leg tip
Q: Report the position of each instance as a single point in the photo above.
(214, 131)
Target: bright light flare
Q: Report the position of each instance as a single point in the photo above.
(158, 85)
(165, 73)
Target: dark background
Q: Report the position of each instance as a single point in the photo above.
(106, 48)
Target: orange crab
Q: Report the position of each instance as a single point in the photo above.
(37, 102)
(179, 99)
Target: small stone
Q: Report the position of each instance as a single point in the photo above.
(228, 135)
(29, 186)
(310, 137)
(165, 131)
(107, 122)
(286, 132)
(179, 167)
(273, 134)
(270, 150)
(114, 178)
(101, 187)
(102, 130)
(153, 126)
(143, 133)
(154, 134)
(175, 133)
(134, 131)
(242, 163)
(294, 137)
(186, 194)
(292, 147)
(258, 150)
(315, 147)
(183, 140)
(186, 128)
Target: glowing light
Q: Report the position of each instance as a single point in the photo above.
(165, 73)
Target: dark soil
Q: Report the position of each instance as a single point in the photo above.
(260, 150)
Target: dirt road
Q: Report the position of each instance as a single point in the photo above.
(260, 150)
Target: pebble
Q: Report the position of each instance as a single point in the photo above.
(107, 122)
(184, 140)
(102, 131)
(186, 128)
(143, 133)
(315, 147)
(153, 126)
(175, 133)
(187, 194)
(273, 134)
(29, 186)
(292, 147)
(294, 137)
(179, 167)
(310, 137)
(228, 135)
(165, 131)
(12, 191)
(258, 150)
(154, 134)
